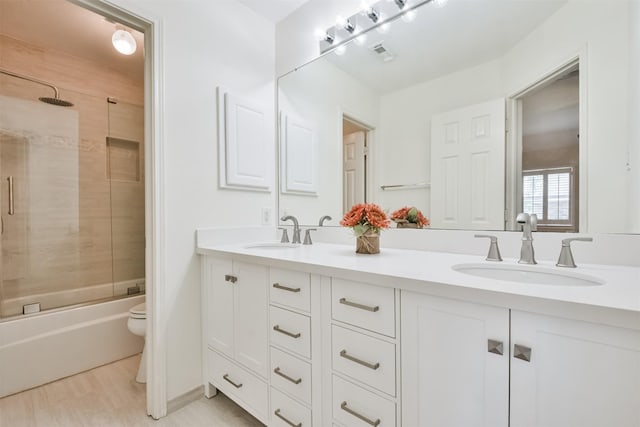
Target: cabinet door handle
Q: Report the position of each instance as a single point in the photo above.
(373, 366)
(277, 371)
(360, 306)
(12, 210)
(521, 352)
(230, 278)
(495, 347)
(283, 418)
(282, 331)
(344, 407)
(226, 378)
(285, 288)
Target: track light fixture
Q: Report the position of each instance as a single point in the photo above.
(401, 3)
(372, 15)
(347, 24)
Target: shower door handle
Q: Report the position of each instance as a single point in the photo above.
(11, 206)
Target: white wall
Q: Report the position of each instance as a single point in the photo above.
(205, 44)
(322, 94)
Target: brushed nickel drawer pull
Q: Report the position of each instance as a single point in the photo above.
(373, 366)
(360, 306)
(283, 418)
(277, 371)
(344, 407)
(226, 378)
(12, 210)
(521, 352)
(282, 331)
(285, 288)
(495, 347)
(230, 278)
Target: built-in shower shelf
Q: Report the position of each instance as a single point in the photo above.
(123, 159)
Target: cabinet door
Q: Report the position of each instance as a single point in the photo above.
(579, 374)
(448, 376)
(219, 311)
(251, 316)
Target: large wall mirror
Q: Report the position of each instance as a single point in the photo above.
(473, 112)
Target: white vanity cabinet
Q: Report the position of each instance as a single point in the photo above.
(235, 319)
(578, 374)
(290, 336)
(449, 378)
(559, 372)
(363, 381)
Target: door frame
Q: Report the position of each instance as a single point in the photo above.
(345, 114)
(513, 187)
(155, 337)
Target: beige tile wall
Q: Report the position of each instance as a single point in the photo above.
(109, 243)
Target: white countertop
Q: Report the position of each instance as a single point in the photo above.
(616, 302)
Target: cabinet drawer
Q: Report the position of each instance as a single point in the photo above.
(238, 383)
(366, 359)
(290, 288)
(286, 412)
(291, 375)
(291, 331)
(369, 307)
(351, 405)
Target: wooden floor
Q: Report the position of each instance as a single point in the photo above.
(109, 396)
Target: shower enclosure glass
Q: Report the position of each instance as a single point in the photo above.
(71, 199)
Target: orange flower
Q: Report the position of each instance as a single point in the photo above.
(410, 214)
(367, 215)
(354, 216)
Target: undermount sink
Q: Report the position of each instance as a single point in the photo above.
(529, 274)
(271, 245)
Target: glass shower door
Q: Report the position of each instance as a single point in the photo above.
(39, 206)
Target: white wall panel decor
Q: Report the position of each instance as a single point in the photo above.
(299, 162)
(244, 156)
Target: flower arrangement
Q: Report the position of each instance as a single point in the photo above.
(365, 218)
(409, 215)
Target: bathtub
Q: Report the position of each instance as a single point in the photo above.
(41, 348)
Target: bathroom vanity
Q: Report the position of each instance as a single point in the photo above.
(317, 335)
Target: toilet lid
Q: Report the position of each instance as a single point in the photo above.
(139, 311)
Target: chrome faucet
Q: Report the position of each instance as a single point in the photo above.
(323, 219)
(566, 257)
(529, 224)
(296, 227)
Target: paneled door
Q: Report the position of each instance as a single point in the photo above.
(467, 167)
(354, 170)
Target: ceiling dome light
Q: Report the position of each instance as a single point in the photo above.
(124, 42)
(340, 50)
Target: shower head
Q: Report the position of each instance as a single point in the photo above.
(56, 101)
(53, 101)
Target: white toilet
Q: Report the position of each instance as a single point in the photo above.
(137, 324)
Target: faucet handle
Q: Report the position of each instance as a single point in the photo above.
(566, 257)
(494, 251)
(307, 236)
(285, 235)
(533, 218)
